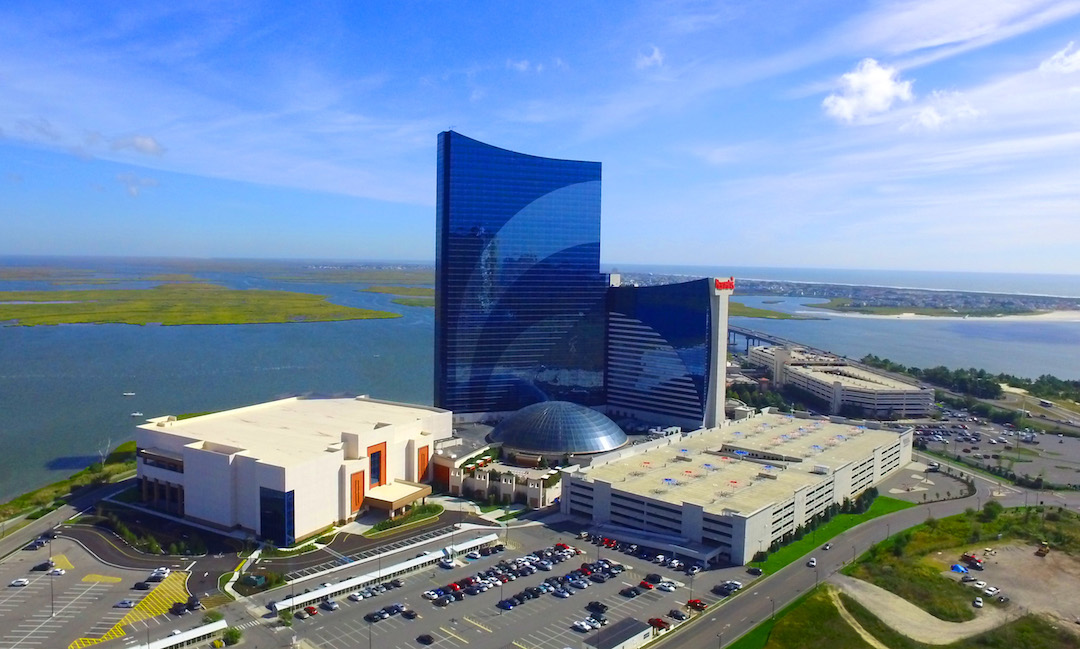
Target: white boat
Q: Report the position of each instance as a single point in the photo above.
(129, 394)
(136, 414)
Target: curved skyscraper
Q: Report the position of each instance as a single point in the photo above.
(519, 307)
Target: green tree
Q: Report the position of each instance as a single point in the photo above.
(212, 616)
(232, 636)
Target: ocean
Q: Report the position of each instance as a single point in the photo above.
(61, 387)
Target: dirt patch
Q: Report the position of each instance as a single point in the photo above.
(868, 638)
(912, 621)
(1044, 585)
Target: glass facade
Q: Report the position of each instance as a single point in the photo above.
(276, 516)
(519, 313)
(558, 427)
(658, 348)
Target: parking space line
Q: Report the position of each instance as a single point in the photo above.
(475, 623)
(452, 634)
(159, 600)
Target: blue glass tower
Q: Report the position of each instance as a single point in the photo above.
(659, 350)
(519, 298)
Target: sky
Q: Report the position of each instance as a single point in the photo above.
(936, 135)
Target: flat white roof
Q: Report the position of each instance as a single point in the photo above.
(853, 377)
(708, 469)
(289, 431)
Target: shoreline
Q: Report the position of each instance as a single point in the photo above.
(1046, 316)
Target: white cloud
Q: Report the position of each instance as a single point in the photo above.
(138, 143)
(653, 59)
(943, 108)
(520, 66)
(135, 184)
(1065, 61)
(867, 90)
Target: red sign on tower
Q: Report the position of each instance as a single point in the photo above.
(729, 284)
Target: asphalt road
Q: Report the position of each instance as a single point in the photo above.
(758, 601)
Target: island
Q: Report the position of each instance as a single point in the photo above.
(422, 296)
(174, 304)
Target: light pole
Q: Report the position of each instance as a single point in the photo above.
(853, 553)
(52, 601)
(888, 530)
(720, 640)
(369, 634)
(773, 601)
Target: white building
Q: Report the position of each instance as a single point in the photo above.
(286, 470)
(839, 384)
(727, 493)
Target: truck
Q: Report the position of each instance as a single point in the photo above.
(972, 561)
(1044, 549)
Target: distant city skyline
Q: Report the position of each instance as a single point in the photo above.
(882, 135)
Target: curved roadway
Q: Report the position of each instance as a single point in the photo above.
(758, 600)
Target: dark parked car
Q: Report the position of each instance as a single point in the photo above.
(179, 608)
(677, 614)
(425, 639)
(630, 591)
(754, 570)
(409, 614)
(596, 607)
(653, 578)
(142, 585)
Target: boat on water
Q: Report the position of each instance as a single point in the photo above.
(136, 414)
(129, 394)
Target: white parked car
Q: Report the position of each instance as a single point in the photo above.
(57, 572)
(978, 603)
(430, 594)
(980, 584)
(666, 586)
(812, 563)
(581, 626)
(473, 555)
(357, 596)
(21, 581)
(126, 603)
(990, 592)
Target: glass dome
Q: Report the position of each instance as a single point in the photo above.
(558, 427)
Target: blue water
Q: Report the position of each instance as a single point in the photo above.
(61, 387)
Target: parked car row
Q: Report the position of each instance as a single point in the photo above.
(648, 554)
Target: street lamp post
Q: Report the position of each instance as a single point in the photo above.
(369, 634)
(853, 553)
(773, 601)
(720, 640)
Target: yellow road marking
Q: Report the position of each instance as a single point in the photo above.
(240, 565)
(157, 602)
(60, 561)
(472, 621)
(102, 579)
(518, 644)
(452, 634)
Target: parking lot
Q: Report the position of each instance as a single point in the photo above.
(79, 607)
(476, 622)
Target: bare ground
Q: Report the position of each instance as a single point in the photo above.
(1043, 585)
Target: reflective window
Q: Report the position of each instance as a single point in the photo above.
(519, 297)
(658, 348)
(558, 427)
(276, 516)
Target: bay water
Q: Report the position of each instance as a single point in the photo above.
(61, 387)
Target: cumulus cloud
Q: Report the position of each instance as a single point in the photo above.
(943, 108)
(653, 59)
(520, 66)
(138, 143)
(869, 89)
(135, 184)
(1064, 62)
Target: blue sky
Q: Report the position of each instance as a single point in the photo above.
(909, 135)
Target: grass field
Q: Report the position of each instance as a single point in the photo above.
(843, 304)
(174, 304)
(1029, 632)
(906, 563)
(839, 524)
(408, 291)
(121, 460)
(415, 301)
(741, 310)
(760, 636)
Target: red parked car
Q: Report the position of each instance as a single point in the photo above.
(697, 604)
(658, 623)
(647, 586)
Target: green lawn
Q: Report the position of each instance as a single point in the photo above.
(174, 304)
(759, 636)
(839, 524)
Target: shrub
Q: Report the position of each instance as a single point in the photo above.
(232, 636)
